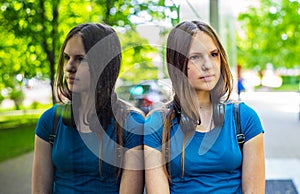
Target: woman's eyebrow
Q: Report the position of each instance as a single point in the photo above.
(214, 50)
(77, 55)
(194, 53)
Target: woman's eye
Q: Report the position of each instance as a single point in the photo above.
(215, 54)
(66, 57)
(194, 57)
(82, 59)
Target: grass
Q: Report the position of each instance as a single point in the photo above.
(287, 87)
(17, 134)
(16, 141)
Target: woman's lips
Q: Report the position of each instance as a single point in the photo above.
(71, 80)
(207, 78)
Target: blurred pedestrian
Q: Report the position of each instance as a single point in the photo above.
(191, 144)
(98, 137)
(240, 87)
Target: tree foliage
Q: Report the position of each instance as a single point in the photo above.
(34, 24)
(32, 31)
(137, 57)
(270, 34)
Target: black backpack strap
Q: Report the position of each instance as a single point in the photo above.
(57, 114)
(239, 135)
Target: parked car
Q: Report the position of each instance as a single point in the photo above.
(150, 94)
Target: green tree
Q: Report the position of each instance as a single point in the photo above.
(137, 58)
(11, 66)
(34, 24)
(270, 34)
(32, 31)
(17, 96)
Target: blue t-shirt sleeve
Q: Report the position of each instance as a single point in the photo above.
(45, 123)
(250, 122)
(153, 130)
(133, 130)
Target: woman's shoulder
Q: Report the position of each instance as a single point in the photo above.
(45, 123)
(156, 117)
(246, 109)
(49, 112)
(161, 111)
(128, 108)
(243, 106)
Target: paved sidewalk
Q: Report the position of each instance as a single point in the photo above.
(284, 169)
(15, 175)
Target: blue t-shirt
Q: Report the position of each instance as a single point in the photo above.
(75, 154)
(213, 160)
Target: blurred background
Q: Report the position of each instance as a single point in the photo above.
(261, 38)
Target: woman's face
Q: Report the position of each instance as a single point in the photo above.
(76, 69)
(204, 62)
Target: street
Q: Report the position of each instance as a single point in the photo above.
(279, 116)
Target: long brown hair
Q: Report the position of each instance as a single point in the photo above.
(103, 50)
(183, 106)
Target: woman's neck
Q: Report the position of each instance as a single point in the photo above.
(204, 99)
(83, 109)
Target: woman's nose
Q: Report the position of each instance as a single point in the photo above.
(207, 63)
(70, 66)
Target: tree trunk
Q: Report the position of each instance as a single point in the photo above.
(54, 33)
(50, 49)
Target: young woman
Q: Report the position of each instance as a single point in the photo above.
(191, 144)
(98, 138)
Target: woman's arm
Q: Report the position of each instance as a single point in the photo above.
(156, 179)
(253, 170)
(132, 180)
(42, 170)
